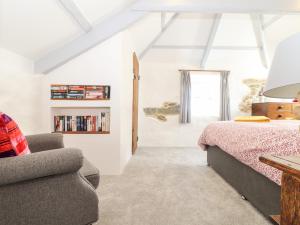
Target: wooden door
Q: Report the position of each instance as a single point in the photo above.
(135, 104)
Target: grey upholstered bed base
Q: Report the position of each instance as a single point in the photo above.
(261, 192)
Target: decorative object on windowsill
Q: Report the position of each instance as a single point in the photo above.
(284, 77)
(255, 86)
(168, 109)
(261, 97)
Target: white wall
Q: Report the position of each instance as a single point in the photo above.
(160, 77)
(20, 91)
(159, 68)
(105, 65)
(160, 82)
(25, 97)
(126, 97)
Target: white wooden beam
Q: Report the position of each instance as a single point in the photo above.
(211, 39)
(233, 48)
(98, 34)
(163, 20)
(271, 21)
(220, 6)
(260, 38)
(74, 11)
(149, 46)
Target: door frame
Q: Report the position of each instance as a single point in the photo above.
(135, 103)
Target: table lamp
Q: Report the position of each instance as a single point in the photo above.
(284, 76)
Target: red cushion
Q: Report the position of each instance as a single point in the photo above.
(12, 141)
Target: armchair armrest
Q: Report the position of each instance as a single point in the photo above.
(42, 142)
(38, 165)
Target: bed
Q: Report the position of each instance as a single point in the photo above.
(233, 149)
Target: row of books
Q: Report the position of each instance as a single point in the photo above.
(92, 123)
(97, 92)
(59, 92)
(80, 92)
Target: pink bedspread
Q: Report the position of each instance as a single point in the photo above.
(246, 141)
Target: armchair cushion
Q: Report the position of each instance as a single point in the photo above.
(38, 165)
(12, 141)
(42, 142)
(54, 141)
(90, 172)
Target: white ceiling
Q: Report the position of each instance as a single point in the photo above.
(97, 10)
(33, 28)
(235, 30)
(188, 29)
(191, 29)
(219, 6)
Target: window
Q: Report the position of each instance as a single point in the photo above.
(205, 99)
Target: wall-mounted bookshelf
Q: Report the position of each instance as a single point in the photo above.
(72, 112)
(80, 92)
(79, 104)
(76, 120)
(85, 124)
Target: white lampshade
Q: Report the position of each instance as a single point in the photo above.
(284, 76)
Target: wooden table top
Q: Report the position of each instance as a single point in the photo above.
(288, 164)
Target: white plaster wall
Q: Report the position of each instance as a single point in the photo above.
(160, 77)
(103, 64)
(160, 82)
(25, 97)
(20, 91)
(126, 97)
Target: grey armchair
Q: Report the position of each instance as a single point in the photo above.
(52, 186)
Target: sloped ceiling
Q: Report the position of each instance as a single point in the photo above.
(32, 28)
(192, 29)
(219, 6)
(235, 30)
(97, 10)
(188, 29)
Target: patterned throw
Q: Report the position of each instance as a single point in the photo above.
(12, 141)
(248, 141)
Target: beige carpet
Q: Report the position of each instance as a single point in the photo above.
(172, 186)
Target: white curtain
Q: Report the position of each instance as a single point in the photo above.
(185, 97)
(225, 97)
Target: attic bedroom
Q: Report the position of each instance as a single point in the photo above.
(134, 112)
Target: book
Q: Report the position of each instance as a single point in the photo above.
(87, 123)
(80, 92)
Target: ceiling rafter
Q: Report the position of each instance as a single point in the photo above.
(155, 39)
(211, 39)
(163, 20)
(83, 43)
(235, 48)
(272, 21)
(75, 12)
(257, 23)
(217, 6)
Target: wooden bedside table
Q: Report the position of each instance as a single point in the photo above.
(274, 110)
(290, 187)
